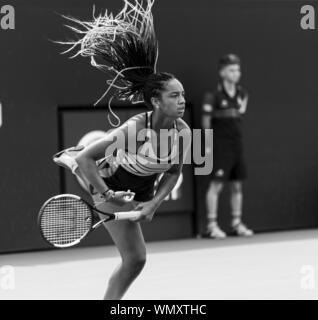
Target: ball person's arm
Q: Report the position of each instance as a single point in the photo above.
(243, 103)
(207, 109)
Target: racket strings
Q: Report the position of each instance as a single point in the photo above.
(65, 221)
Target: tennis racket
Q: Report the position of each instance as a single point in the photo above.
(65, 220)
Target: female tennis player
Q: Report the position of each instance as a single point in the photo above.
(128, 45)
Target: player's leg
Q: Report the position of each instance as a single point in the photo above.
(130, 243)
(66, 159)
(129, 240)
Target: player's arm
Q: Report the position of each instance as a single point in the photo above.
(104, 147)
(168, 180)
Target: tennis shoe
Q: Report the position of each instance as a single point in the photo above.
(214, 232)
(242, 230)
(66, 158)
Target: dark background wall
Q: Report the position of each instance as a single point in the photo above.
(279, 65)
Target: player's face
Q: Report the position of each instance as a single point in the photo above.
(172, 100)
(231, 73)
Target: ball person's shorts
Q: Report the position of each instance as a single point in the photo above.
(228, 161)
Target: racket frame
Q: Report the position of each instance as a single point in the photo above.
(96, 221)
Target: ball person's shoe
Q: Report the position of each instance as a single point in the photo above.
(66, 158)
(241, 230)
(214, 232)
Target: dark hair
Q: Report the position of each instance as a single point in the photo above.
(229, 59)
(155, 85)
(125, 47)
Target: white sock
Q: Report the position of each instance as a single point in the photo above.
(236, 220)
(212, 223)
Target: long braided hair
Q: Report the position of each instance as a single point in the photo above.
(125, 47)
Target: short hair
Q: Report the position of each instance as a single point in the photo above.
(228, 59)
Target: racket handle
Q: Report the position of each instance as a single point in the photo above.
(127, 215)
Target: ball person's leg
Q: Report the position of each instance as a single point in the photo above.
(236, 201)
(238, 174)
(212, 199)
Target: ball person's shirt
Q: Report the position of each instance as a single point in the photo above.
(223, 113)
